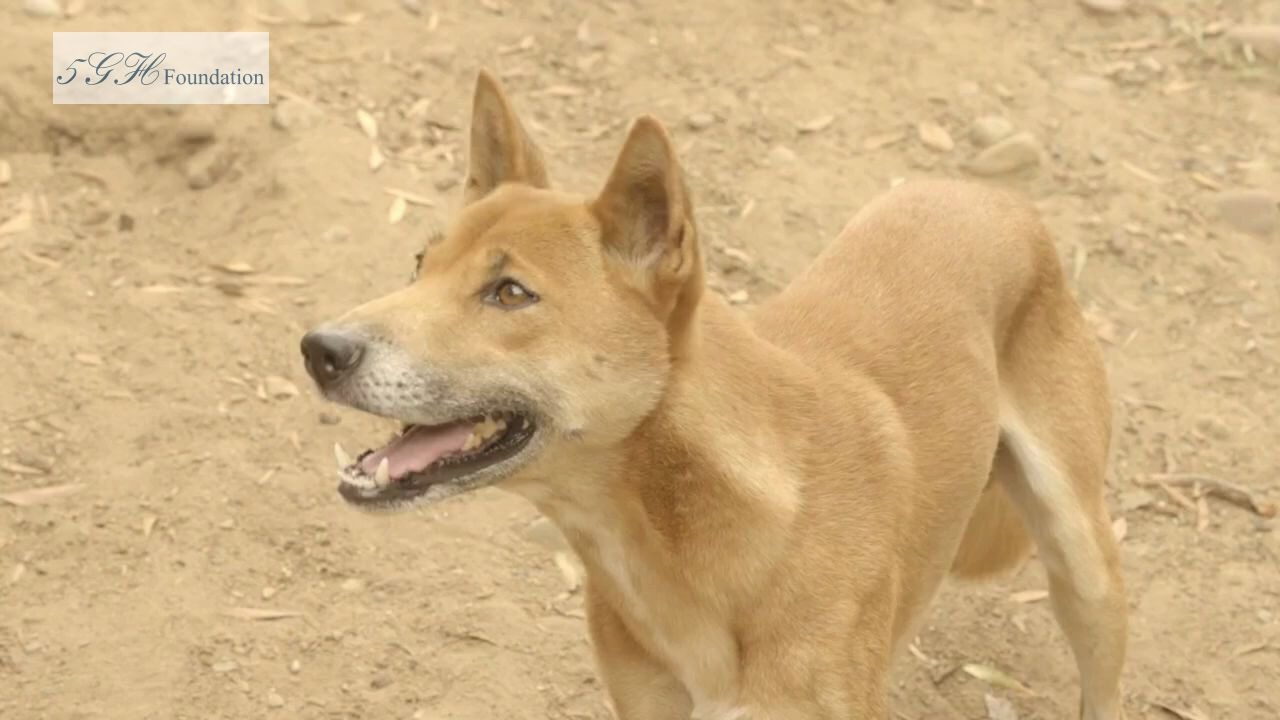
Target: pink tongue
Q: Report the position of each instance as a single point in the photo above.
(418, 448)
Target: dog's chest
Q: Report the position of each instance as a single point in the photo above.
(697, 650)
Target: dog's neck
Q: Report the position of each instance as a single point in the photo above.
(705, 473)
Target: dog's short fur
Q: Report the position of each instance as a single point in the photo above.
(765, 503)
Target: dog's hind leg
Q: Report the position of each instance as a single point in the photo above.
(1056, 424)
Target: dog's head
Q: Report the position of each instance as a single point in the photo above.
(537, 325)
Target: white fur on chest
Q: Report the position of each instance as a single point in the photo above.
(703, 658)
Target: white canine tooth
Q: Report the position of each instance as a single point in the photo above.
(383, 477)
(471, 442)
(344, 460)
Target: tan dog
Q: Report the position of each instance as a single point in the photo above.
(765, 504)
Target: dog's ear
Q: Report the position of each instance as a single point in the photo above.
(645, 209)
(646, 216)
(501, 149)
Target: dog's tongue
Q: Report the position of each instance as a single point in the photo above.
(418, 448)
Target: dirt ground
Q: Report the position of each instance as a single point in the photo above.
(158, 266)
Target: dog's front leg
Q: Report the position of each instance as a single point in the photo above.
(640, 687)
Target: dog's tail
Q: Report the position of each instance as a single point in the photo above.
(996, 538)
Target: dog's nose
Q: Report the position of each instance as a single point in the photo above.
(329, 355)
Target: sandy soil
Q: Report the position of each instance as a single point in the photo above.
(157, 268)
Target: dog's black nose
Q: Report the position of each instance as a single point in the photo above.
(330, 355)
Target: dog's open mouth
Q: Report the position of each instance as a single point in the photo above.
(422, 457)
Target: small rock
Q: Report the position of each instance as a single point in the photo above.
(6, 172)
(1213, 427)
(935, 137)
(294, 114)
(196, 128)
(227, 524)
(1251, 211)
(353, 585)
(274, 700)
(739, 297)
(445, 182)
(225, 666)
(380, 681)
(1099, 155)
(989, 130)
(268, 593)
(1105, 7)
(543, 532)
(700, 121)
(295, 667)
(279, 388)
(207, 166)
(412, 6)
(328, 418)
(1137, 499)
(782, 154)
(43, 8)
(336, 234)
(999, 709)
(1013, 153)
(125, 222)
(1264, 39)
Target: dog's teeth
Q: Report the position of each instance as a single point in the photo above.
(382, 477)
(344, 460)
(472, 442)
(524, 423)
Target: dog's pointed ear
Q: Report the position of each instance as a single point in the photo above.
(501, 149)
(645, 208)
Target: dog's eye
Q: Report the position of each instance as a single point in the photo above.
(511, 294)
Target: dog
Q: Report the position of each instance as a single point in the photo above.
(764, 503)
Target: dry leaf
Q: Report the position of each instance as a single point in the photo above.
(747, 208)
(935, 137)
(1184, 713)
(409, 197)
(279, 388)
(41, 495)
(399, 206)
(875, 142)
(376, 158)
(996, 677)
(367, 123)
(18, 468)
(1139, 172)
(16, 574)
(788, 51)
(562, 91)
(1252, 648)
(149, 524)
(248, 613)
(1029, 596)
(17, 223)
(1202, 513)
(235, 268)
(999, 709)
(1120, 529)
(817, 124)
(572, 578)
